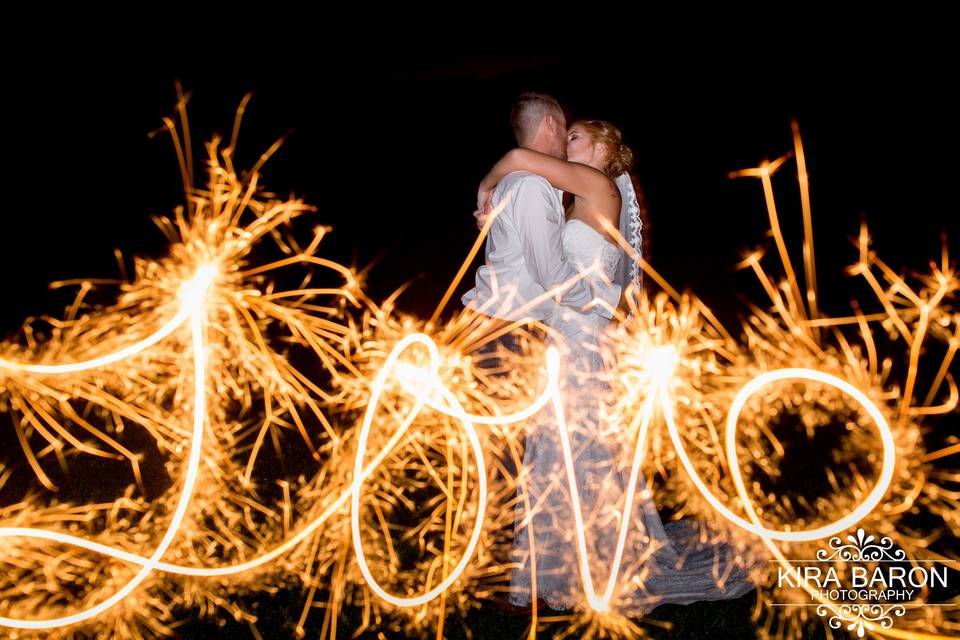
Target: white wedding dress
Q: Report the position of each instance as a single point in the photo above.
(668, 561)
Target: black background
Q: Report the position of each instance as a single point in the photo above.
(391, 149)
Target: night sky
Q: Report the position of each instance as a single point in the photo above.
(391, 153)
(391, 147)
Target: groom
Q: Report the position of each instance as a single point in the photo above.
(524, 249)
(524, 252)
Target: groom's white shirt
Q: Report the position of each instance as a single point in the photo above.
(524, 257)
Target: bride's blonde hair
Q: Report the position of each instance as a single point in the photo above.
(620, 155)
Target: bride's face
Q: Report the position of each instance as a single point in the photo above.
(582, 148)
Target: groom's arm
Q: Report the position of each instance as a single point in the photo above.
(541, 228)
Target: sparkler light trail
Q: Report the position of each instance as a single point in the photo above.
(192, 306)
(312, 437)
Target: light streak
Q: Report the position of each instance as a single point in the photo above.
(661, 366)
(869, 503)
(192, 308)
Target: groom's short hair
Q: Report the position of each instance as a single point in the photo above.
(528, 112)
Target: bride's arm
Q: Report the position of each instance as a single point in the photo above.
(578, 179)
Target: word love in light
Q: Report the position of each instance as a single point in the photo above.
(429, 390)
(425, 385)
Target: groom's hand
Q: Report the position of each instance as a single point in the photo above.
(481, 217)
(484, 196)
(483, 207)
(623, 307)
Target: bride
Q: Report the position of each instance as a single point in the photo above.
(596, 174)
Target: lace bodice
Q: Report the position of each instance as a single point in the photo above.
(578, 333)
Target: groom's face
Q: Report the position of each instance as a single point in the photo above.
(557, 127)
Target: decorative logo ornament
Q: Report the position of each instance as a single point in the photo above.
(854, 615)
(862, 549)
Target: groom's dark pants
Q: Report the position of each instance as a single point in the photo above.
(493, 355)
(493, 360)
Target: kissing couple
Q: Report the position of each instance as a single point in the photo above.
(572, 269)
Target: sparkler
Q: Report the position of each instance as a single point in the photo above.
(188, 356)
